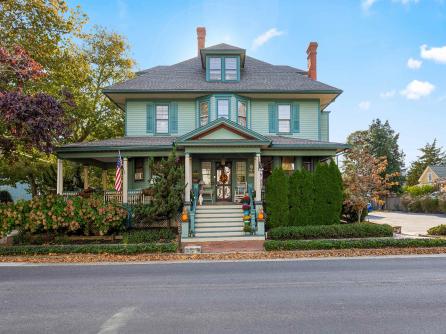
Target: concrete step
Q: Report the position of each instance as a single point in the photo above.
(219, 215)
(220, 234)
(217, 238)
(218, 224)
(239, 211)
(218, 229)
(217, 207)
(218, 219)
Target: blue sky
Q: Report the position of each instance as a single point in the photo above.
(388, 56)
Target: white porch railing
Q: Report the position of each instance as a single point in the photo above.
(134, 196)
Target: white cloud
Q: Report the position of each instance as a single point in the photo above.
(367, 4)
(388, 94)
(417, 89)
(265, 37)
(364, 105)
(436, 54)
(414, 64)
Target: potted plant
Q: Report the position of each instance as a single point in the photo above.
(247, 228)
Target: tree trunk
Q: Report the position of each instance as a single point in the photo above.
(359, 215)
(33, 185)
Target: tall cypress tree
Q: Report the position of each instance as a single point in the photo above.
(337, 193)
(301, 198)
(322, 189)
(276, 197)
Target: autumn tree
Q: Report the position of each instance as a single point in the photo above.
(365, 179)
(382, 141)
(431, 155)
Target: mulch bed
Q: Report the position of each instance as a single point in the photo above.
(92, 258)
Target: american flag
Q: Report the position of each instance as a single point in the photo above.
(118, 176)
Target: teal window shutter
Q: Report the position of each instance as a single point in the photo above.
(173, 117)
(272, 117)
(295, 117)
(150, 118)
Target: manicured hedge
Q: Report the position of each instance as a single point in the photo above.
(90, 249)
(273, 245)
(361, 230)
(144, 236)
(437, 230)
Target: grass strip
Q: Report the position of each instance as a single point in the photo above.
(278, 245)
(90, 249)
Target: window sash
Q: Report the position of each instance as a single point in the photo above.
(204, 113)
(139, 169)
(284, 117)
(162, 119)
(288, 163)
(240, 168)
(241, 113)
(206, 172)
(223, 108)
(215, 67)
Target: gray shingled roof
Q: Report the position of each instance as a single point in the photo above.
(190, 76)
(439, 170)
(223, 46)
(146, 142)
(154, 142)
(278, 141)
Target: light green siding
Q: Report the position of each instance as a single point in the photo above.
(258, 119)
(308, 116)
(186, 117)
(140, 184)
(325, 126)
(136, 118)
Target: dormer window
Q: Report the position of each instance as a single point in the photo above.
(223, 68)
(230, 68)
(214, 68)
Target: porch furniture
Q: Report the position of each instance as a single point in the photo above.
(240, 191)
(208, 193)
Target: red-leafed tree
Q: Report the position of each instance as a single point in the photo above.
(26, 119)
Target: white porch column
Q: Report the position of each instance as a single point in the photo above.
(85, 172)
(59, 181)
(257, 181)
(187, 177)
(125, 180)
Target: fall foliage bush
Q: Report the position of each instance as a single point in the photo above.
(54, 214)
(424, 204)
(419, 190)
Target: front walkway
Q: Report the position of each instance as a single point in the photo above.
(411, 223)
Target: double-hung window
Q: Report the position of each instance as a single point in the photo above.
(223, 108)
(139, 169)
(204, 113)
(288, 164)
(215, 68)
(162, 119)
(206, 171)
(241, 113)
(284, 117)
(230, 68)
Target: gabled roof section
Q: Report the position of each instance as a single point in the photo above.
(221, 131)
(223, 49)
(439, 170)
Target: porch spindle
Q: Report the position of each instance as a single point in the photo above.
(59, 187)
(125, 181)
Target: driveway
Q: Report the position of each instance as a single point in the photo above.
(411, 223)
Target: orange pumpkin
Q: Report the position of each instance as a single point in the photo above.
(184, 216)
(260, 216)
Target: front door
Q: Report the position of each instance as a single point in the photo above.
(224, 176)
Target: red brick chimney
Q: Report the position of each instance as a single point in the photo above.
(201, 38)
(311, 58)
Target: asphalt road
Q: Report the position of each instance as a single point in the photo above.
(387, 295)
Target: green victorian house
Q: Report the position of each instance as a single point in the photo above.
(232, 119)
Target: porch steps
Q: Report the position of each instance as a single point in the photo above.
(219, 222)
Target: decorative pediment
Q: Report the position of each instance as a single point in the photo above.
(223, 130)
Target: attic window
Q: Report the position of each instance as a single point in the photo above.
(215, 68)
(230, 68)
